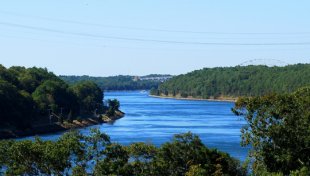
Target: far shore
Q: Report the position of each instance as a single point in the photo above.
(196, 99)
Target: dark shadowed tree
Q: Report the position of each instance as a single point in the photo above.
(89, 95)
(55, 95)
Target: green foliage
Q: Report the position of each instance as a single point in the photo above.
(278, 131)
(97, 142)
(236, 81)
(16, 107)
(90, 96)
(55, 95)
(8, 76)
(113, 105)
(40, 157)
(142, 155)
(186, 151)
(115, 161)
(304, 171)
(29, 79)
(115, 82)
(30, 95)
(74, 153)
(154, 91)
(79, 171)
(196, 170)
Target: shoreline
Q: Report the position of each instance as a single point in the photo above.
(57, 127)
(195, 99)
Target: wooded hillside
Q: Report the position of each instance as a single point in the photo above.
(116, 82)
(236, 81)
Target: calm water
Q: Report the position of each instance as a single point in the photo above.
(156, 120)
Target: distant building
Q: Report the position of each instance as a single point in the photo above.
(136, 78)
(160, 78)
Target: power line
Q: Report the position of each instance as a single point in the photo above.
(154, 29)
(145, 40)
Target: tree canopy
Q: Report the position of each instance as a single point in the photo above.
(236, 81)
(28, 95)
(115, 82)
(113, 106)
(16, 107)
(89, 94)
(97, 155)
(278, 128)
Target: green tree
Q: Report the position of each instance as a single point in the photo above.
(278, 128)
(196, 170)
(75, 154)
(90, 96)
(31, 78)
(8, 76)
(29, 95)
(97, 142)
(115, 161)
(113, 106)
(41, 157)
(186, 152)
(16, 107)
(142, 156)
(56, 96)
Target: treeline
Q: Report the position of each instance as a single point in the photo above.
(29, 95)
(236, 81)
(115, 82)
(78, 155)
(120, 82)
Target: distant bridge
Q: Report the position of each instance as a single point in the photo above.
(267, 62)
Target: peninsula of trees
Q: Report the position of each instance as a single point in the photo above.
(232, 82)
(32, 97)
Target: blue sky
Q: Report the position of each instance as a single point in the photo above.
(139, 37)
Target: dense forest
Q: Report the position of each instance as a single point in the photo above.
(30, 95)
(118, 82)
(79, 155)
(232, 82)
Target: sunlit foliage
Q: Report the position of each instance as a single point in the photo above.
(278, 131)
(236, 81)
(95, 154)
